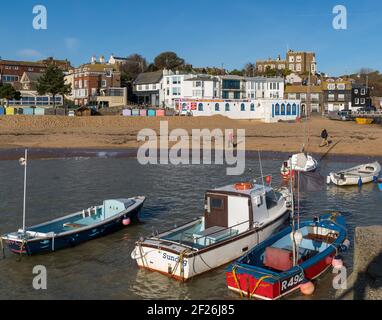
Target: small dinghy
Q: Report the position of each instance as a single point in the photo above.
(281, 265)
(73, 229)
(298, 162)
(237, 217)
(356, 176)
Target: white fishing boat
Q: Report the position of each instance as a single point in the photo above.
(356, 176)
(308, 164)
(237, 217)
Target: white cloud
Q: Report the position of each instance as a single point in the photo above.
(29, 53)
(71, 43)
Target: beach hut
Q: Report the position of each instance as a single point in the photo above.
(2, 111)
(135, 112)
(9, 111)
(39, 111)
(28, 111)
(83, 112)
(143, 112)
(126, 112)
(169, 112)
(19, 110)
(160, 113)
(151, 113)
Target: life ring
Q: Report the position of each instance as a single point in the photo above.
(243, 186)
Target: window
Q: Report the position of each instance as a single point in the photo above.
(227, 107)
(356, 101)
(217, 107)
(363, 91)
(200, 107)
(252, 107)
(356, 91)
(9, 78)
(341, 86)
(109, 73)
(85, 83)
(330, 97)
(217, 203)
(291, 67)
(294, 109)
(283, 109)
(175, 80)
(147, 87)
(291, 59)
(298, 59)
(289, 109)
(341, 97)
(277, 109)
(154, 86)
(184, 106)
(198, 84)
(363, 100)
(176, 91)
(242, 107)
(331, 86)
(103, 83)
(298, 67)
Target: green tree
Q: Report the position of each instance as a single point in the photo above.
(236, 72)
(168, 60)
(53, 82)
(132, 67)
(250, 70)
(7, 92)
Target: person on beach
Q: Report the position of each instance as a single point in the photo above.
(324, 136)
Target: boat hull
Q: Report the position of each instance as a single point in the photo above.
(47, 245)
(170, 262)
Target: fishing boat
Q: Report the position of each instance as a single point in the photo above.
(356, 176)
(73, 229)
(292, 258)
(286, 261)
(236, 218)
(309, 165)
(364, 120)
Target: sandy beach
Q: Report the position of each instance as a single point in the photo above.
(117, 132)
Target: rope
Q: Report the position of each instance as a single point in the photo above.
(237, 281)
(258, 285)
(141, 253)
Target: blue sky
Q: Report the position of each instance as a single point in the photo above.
(204, 32)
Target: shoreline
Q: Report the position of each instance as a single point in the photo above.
(67, 153)
(76, 135)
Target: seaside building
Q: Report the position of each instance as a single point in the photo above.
(299, 62)
(337, 94)
(360, 96)
(147, 87)
(92, 80)
(309, 95)
(264, 87)
(267, 110)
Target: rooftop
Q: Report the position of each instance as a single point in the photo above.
(149, 77)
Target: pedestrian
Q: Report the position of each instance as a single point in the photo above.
(324, 136)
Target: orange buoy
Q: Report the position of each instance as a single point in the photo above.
(243, 186)
(307, 288)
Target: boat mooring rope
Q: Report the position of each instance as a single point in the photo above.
(237, 282)
(250, 296)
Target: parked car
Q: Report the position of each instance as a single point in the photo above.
(71, 113)
(367, 109)
(343, 115)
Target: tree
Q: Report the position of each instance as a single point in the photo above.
(269, 72)
(152, 68)
(168, 60)
(7, 92)
(286, 72)
(236, 72)
(250, 69)
(53, 82)
(132, 67)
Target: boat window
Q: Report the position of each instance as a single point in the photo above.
(272, 199)
(217, 203)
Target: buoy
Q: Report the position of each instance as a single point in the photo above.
(375, 179)
(360, 182)
(345, 245)
(307, 288)
(337, 262)
(126, 221)
(268, 179)
(328, 260)
(328, 180)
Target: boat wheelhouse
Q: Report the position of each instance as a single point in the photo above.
(236, 218)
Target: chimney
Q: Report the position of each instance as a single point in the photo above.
(102, 59)
(94, 59)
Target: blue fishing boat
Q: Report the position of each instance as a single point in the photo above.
(277, 266)
(71, 230)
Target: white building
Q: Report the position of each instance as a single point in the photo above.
(264, 88)
(267, 110)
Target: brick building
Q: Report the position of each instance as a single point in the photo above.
(92, 80)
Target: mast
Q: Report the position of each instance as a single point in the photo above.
(292, 216)
(25, 186)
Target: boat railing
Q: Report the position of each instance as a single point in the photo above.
(231, 231)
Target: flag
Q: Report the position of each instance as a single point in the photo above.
(22, 161)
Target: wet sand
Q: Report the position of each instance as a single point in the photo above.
(117, 133)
